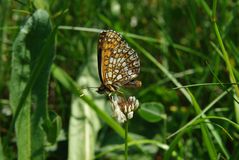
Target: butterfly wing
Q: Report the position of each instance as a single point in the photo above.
(124, 64)
(118, 64)
(108, 40)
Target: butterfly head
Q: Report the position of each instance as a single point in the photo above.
(106, 89)
(102, 90)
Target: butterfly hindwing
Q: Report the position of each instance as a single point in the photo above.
(125, 65)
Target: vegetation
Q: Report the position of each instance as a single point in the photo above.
(189, 100)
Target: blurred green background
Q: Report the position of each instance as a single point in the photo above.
(178, 45)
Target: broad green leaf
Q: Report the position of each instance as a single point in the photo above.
(152, 112)
(84, 122)
(33, 53)
(42, 55)
(20, 74)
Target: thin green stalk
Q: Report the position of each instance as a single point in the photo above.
(126, 140)
(226, 57)
(209, 106)
(205, 131)
(137, 142)
(206, 8)
(214, 9)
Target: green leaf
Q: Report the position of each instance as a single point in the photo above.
(33, 53)
(84, 122)
(152, 112)
(41, 4)
(42, 55)
(53, 127)
(20, 74)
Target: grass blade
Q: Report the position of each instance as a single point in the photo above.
(71, 85)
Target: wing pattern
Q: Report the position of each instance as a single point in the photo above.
(118, 64)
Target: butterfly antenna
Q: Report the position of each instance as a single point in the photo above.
(82, 89)
(89, 88)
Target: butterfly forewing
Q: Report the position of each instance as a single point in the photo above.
(118, 63)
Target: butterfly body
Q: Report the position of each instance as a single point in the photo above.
(118, 64)
(103, 89)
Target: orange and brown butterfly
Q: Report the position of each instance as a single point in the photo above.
(118, 64)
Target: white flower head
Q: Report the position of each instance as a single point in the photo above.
(123, 109)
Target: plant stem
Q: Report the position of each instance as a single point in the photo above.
(126, 140)
(226, 58)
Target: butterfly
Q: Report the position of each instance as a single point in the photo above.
(118, 64)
